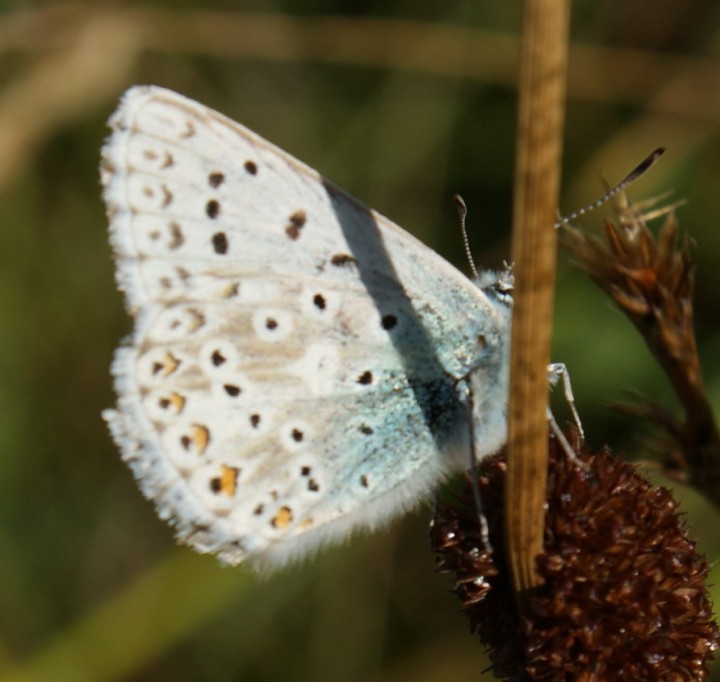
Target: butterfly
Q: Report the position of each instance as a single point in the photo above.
(300, 366)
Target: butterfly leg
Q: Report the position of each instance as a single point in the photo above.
(475, 476)
(557, 432)
(557, 373)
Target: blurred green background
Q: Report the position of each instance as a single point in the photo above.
(403, 104)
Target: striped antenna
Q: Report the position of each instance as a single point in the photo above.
(634, 174)
(462, 212)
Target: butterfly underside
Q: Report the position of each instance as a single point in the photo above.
(299, 366)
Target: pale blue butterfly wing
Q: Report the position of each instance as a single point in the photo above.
(299, 365)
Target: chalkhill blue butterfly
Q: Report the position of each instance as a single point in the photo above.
(300, 366)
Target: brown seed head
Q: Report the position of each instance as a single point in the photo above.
(624, 595)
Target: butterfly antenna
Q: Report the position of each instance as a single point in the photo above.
(634, 174)
(462, 213)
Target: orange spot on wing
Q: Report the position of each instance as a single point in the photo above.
(228, 480)
(283, 518)
(200, 437)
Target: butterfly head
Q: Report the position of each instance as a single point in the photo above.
(497, 285)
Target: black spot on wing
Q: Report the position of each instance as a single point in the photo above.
(216, 179)
(389, 322)
(342, 259)
(220, 243)
(212, 208)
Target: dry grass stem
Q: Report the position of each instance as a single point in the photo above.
(537, 182)
(651, 280)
